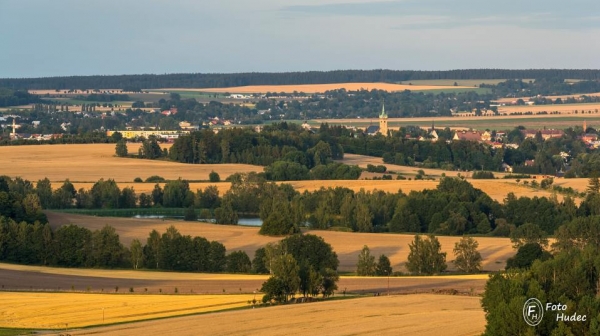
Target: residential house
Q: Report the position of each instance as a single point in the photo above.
(546, 133)
(467, 135)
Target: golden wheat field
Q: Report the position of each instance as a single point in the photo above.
(90, 162)
(422, 314)
(71, 310)
(316, 88)
(347, 245)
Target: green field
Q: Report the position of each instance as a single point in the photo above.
(459, 82)
(498, 123)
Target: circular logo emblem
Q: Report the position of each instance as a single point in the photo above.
(533, 312)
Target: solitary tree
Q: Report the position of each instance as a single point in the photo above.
(366, 262)
(214, 177)
(121, 148)
(383, 266)
(425, 256)
(468, 259)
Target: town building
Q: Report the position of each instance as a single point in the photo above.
(383, 124)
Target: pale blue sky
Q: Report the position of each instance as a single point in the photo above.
(75, 37)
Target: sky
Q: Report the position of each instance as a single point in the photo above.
(40, 38)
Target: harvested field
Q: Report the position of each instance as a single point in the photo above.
(424, 314)
(31, 278)
(319, 88)
(73, 310)
(494, 251)
(90, 162)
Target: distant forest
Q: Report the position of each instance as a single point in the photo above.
(16, 98)
(199, 80)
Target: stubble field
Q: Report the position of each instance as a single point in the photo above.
(319, 88)
(425, 314)
(90, 162)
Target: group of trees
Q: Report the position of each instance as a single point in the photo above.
(366, 265)
(302, 263)
(74, 246)
(425, 258)
(568, 276)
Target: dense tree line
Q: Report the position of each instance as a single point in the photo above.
(199, 80)
(453, 208)
(16, 97)
(544, 87)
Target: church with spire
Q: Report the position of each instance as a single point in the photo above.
(383, 124)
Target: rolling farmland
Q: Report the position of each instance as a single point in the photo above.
(423, 314)
(90, 162)
(319, 88)
(494, 251)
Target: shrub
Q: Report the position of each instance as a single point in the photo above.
(483, 175)
(214, 177)
(138, 180)
(155, 179)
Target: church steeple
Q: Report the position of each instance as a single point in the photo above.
(383, 114)
(383, 126)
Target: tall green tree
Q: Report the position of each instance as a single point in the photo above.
(121, 148)
(384, 267)
(137, 254)
(107, 250)
(285, 275)
(425, 256)
(43, 189)
(366, 263)
(467, 257)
